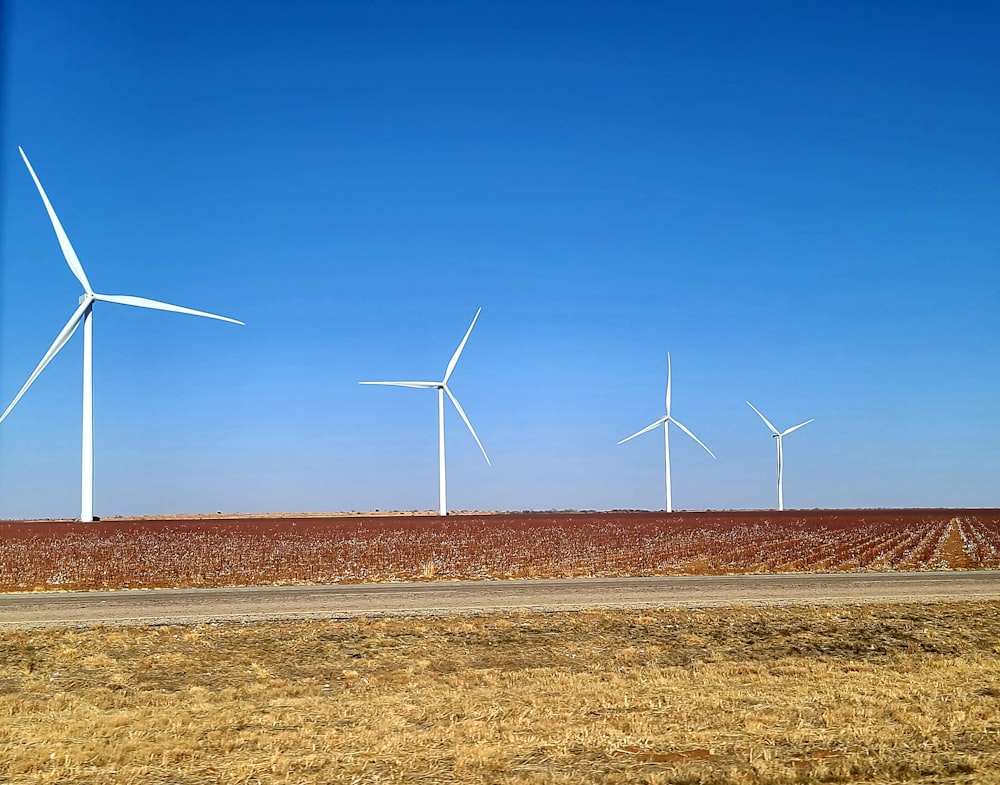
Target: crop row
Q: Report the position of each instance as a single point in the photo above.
(483, 547)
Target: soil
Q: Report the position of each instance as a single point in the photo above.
(224, 550)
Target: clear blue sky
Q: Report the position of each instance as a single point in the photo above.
(800, 201)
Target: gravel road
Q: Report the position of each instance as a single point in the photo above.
(188, 606)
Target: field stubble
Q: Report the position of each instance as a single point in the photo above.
(903, 693)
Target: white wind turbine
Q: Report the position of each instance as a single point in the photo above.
(665, 421)
(83, 314)
(442, 389)
(779, 436)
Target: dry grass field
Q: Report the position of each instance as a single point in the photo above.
(891, 694)
(214, 551)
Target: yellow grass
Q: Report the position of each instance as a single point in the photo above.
(907, 693)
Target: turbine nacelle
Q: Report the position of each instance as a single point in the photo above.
(444, 390)
(778, 435)
(665, 421)
(83, 315)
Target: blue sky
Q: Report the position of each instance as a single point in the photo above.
(799, 201)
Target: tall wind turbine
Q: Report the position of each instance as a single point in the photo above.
(84, 314)
(665, 421)
(779, 436)
(442, 389)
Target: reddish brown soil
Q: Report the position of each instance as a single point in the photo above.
(240, 551)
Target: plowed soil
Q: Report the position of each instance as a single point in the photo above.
(291, 549)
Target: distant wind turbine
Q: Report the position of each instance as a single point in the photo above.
(665, 421)
(442, 389)
(779, 437)
(84, 313)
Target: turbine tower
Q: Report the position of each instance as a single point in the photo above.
(442, 390)
(665, 421)
(779, 436)
(84, 314)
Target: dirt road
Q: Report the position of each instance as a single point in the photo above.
(304, 602)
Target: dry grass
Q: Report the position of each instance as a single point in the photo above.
(906, 693)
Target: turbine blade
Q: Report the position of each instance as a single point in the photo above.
(458, 352)
(645, 430)
(683, 428)
(766, 421)
(417, 385)
(71, 258)
(796, 427)
(668, 384)
(145, 302)
(64, 335)
(465, 419)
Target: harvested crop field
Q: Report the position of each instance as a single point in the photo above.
(217, 551)
(898, 693)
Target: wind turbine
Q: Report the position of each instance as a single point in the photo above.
(84, 314)
(442, 390)
(779, 437)
(665, 421)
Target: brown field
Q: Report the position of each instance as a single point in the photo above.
(889, 694)
(904, 693)
(247, 551)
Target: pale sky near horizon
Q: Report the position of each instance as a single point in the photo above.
(799, 201)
